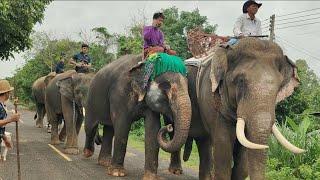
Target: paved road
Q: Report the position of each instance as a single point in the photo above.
(41, 162)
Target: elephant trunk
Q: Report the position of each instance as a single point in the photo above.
(181, 108)
(253, 132)
(91, 131)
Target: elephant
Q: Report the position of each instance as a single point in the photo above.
(38, 90)
(121, 99)
(234, 96)
(66, 96)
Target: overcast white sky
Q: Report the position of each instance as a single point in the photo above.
(67, 18)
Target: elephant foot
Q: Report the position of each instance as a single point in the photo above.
(151, 176)
(55, 142)
(104, 162)
(39, 126)
(62, 138)
(116, 171)
(87, 153)
(73, 151)
(177, 170)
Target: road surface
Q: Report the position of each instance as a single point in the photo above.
(39, 161)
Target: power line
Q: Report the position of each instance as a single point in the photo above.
(298, 25)
(298, 12)
(298, 48)
(298, 21)
(297, 17)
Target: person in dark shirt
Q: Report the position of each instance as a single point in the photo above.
(82, 60)
(5, 90)
(60, 65)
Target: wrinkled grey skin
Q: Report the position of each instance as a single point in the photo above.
(248, 81)
(65, 98)
(38, 90)
(120, 100)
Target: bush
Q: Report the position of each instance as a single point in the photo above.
(282, 164)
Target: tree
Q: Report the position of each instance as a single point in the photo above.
(176, 23)
(17, 18)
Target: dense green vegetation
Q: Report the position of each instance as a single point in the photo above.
(17, 19)
(293, 114)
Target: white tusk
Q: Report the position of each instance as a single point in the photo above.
(242, 138)
(84, 111)
(284, 142)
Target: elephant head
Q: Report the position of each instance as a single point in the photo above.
(75, 88)
(251, 78)
(168, 95)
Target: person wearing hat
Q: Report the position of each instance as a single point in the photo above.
(5, 90)
(82, 60)
(248, 24)
(60, 65)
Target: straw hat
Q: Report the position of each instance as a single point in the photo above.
(5, 86)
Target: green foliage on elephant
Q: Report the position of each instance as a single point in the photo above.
(175, 25)
(17, 19)
(283, 164)
(305, 98)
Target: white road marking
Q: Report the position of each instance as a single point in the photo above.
(60, 153)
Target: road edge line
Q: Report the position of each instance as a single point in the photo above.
(60, 153)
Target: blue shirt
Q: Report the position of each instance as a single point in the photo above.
(60, 67)
(81, 57)
(3, 115)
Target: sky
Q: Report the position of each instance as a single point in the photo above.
(67, 18)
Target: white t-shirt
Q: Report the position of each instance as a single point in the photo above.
(247, 27)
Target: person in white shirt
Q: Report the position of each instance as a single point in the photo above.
(247, 24)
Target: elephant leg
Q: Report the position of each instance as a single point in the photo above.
(77, 127)
(205, 155)
(152, 126)
(62, 135)
(40, 115)
(240, 167)
(175, 159)
(122, 127)
(70, 123)
(223, 139)
(54, 131)
(105, 155)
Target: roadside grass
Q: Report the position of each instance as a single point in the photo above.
(137, 142)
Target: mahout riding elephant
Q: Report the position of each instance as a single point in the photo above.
(117, 98)
(234, 96)
(38, 90)
(65, 98)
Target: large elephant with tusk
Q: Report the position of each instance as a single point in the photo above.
(233, 97)
(65, 98)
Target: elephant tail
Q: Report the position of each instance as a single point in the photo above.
(35, 116)
(187, 149)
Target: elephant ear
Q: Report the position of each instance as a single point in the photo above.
(66, 87)
(49, 77)
(136, 74)
(219, 65)
(290, 78)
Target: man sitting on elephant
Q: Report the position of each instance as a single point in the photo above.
(154, 38)
(82, 60)
(247, 24)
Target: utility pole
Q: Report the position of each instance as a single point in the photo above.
(272, 20)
